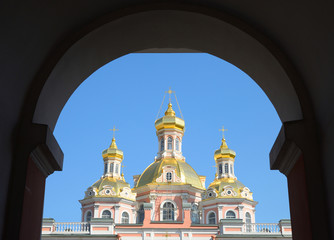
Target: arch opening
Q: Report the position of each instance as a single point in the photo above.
(278, 83)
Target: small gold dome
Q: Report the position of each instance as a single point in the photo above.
(230, 188)
(110, 187)
(169, 121)
(112, 151)
(224, 151)
(183, 170)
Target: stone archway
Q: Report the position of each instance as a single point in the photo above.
(184, 31)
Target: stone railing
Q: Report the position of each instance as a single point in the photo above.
(265, 228)
(237, 226)
(71, 227)
(95, 226)
(227, 227)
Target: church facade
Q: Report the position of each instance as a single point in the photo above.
(169, 199)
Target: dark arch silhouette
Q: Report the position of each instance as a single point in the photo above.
(169, 27)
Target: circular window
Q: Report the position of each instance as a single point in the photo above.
(210, 194)
(229, 192)
(107, 191)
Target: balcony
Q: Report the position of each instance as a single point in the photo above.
(226, 229)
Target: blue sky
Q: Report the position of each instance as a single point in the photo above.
(127, 93)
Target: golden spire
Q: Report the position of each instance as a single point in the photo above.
(170, 111)
(224, 145)
(113, 144)
(113, 141)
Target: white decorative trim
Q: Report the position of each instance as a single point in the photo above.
(231, 210)
(168, 169)
(161, 209)
(124, 211)
(207, 217)
(106, 209)
(250, 216)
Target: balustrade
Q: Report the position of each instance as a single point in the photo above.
(265, 228)
(69, 227)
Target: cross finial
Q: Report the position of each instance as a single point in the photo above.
(170, 94)
(223, 130)
(114, 130)
(123, 167)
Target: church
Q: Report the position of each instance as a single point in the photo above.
(169, 199)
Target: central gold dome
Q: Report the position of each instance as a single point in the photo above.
(182, 169)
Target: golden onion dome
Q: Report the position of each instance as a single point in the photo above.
(183, 170)
(110, 187)
(169, 121)
(230, 188)
(112, 151)
(224, 151)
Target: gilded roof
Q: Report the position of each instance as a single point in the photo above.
(224, 151)
(117, 184)
(182, 169)
(169, 120)
(112, 151)
(220, 184)
(228, 188)
(110, 187)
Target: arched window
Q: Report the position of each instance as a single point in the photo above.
(194, 213)
(162, 144)
(177, 144)
(212, 218)
(226, 167)
(106, 214)
(116, 168)
(169, 176)
(231, 169)
(111, 168)
(140, 214)
(220, 168)
(230, 214)
(248, 222)
(125, 217)
(170, 143)
(168, 211)
(88, 216)
(105, 168)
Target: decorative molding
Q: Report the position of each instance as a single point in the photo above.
(47, 155)
(285, 152)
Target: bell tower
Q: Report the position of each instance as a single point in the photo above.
(170, 131)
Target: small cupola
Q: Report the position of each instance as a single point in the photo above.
(112, 151)
(169, 121)
(224, 151)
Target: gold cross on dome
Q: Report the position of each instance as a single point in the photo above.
(223, 130)
(114, 130)
(170, 94)
(123, 167)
